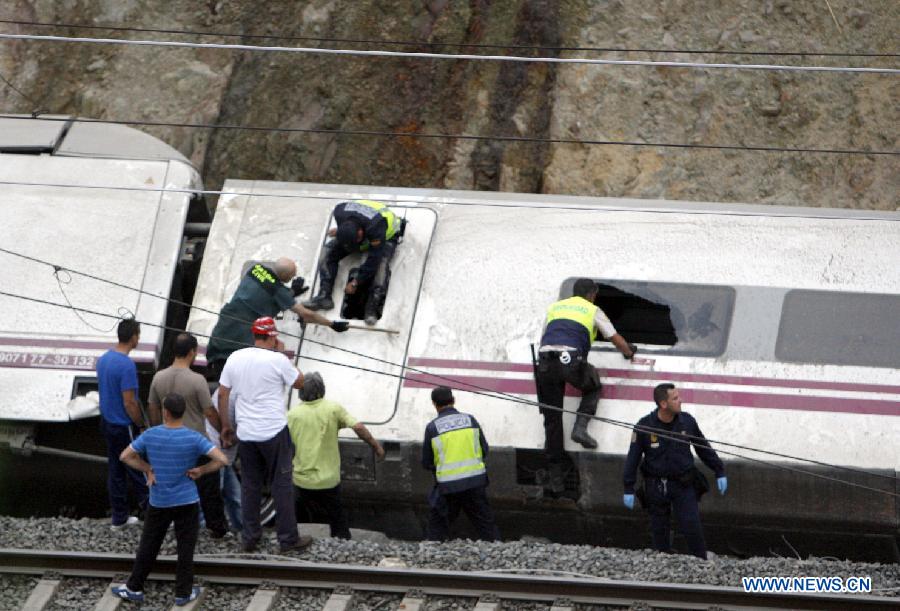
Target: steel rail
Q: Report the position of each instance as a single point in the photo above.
(435, 582)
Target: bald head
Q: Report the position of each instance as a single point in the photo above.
(285, 269)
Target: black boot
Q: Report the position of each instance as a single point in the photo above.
(580, 434)
(373, 305)
(322, 300)
(319, 302)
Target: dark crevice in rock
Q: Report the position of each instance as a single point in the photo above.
(519, 85)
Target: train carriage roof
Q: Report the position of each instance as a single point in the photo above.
(64, 136)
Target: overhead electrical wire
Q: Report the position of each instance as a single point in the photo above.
(444, 202)
(427, 135)
(474, 388)
(17, 90)
(448, 56)
(468, 45)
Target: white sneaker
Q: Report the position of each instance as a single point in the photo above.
(131, 521)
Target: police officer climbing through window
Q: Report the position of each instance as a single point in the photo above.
(572, 325)
(454, 448)
(261, 293)
(664, 438)
(363, 226)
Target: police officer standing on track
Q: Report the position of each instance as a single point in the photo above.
(664, 439)
(572, 325)
(454, 448)
(261, 293)
(364, 226)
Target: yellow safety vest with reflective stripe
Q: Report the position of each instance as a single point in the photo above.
(384, 211)
(457, 449)
(576, 309)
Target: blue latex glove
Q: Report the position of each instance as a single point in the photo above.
(628, 499)
(722, 483)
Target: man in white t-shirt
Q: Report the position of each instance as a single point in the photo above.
(258, 377)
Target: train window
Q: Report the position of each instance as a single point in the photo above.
(690, 319)
(827, 327)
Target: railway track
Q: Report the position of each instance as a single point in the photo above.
(492, 590)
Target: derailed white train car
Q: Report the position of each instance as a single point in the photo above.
(85, 197)
(780, 325)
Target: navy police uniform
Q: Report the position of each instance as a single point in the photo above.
(668, 470)
(379, 224)
(454, 449)
(563, 358)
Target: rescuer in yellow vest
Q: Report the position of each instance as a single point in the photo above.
(363, 226)
(454, 449)
(572, 325)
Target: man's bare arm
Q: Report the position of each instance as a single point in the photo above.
(155, 413)
(298, 383)
(132, 408)
(213, 416)
(217, 460)
(623, 346)
(363, 433)
(227, 432)
(134, 460)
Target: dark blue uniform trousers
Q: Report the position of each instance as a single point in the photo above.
(445, 509)
(664, 495)
(117, 439)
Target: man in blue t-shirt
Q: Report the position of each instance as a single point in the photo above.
(168, 455)
(120, 417)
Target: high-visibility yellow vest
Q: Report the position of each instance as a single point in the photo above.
(384, 211)
(576, 309)
(457, 449)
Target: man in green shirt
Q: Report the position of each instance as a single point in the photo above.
(314, 426)
(261, 292)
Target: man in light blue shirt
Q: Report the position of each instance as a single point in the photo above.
(168, 455)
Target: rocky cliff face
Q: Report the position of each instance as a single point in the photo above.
(563, 102)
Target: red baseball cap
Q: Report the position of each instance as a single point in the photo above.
(264, 326)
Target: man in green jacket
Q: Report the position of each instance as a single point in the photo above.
(262, 292)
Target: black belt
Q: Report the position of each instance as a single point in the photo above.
(556, 353)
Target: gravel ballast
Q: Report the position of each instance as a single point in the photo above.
(540, 558)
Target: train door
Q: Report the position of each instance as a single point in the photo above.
(362, 367)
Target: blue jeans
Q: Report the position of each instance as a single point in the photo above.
(231, 495)
(117, 439)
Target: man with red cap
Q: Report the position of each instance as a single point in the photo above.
(258, 376)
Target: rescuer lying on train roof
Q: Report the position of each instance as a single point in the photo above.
(261, 293)
(364, 226)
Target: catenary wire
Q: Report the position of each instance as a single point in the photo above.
(484, 391)
(659, 432)
(468, 45)
(426, 135)
(449, 56)
(17, 90)
(484, 204)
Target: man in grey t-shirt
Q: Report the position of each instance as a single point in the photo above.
(193, 387)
